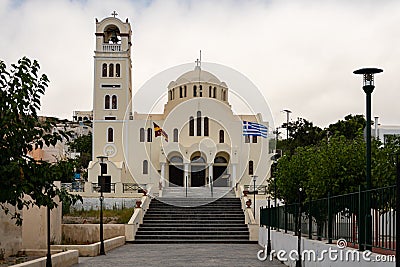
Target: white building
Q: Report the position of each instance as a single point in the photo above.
(205, 138)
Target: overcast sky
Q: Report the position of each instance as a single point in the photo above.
(300, 54)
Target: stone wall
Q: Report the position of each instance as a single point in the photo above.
(89, 233)
(10, 234)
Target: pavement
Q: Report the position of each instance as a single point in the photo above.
(175, 255)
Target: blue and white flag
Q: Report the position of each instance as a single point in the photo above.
(254, 129)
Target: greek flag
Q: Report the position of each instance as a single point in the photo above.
(254, 129)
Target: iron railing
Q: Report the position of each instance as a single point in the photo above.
(107, 187)
(260, 189)
(130, 188)
(73, 187)
(338, 217)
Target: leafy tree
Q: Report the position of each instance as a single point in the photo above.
(83, 145)
(25, 181)
(351, 127)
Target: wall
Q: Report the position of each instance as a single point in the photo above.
(90, 233)
(288, 242)
(10, 234)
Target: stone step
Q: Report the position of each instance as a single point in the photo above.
(193, 228)
(197, 237)
(197, 221)
(192, 233)
(198, 241)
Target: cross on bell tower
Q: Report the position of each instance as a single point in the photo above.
(114, 14)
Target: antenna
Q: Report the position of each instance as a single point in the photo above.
(200, 57)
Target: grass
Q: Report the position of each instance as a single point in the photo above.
(119, 215)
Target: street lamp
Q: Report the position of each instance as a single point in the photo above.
(287, 122)
(254, 192)
(48, 255)
(368, 87)
(103, 167)
(298, 262)
(269, 227)
(397, 208)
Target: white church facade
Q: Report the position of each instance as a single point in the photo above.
(197, 141)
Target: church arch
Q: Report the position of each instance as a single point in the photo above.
(110, 135)
(117, 70)
(107, 102)
(111, 70)
(198, 175)
(104, 70)
(176, 170)
(114, 102)
(141, 135)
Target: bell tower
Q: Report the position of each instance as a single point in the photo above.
(112, 88)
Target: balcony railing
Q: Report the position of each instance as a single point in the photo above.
(130, 188)
(111, 47)
(73, 187)
(107, 187)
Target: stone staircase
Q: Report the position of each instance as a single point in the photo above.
(197, 192)
(192, 221)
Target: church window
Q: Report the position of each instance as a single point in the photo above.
(106, 102)
(206, 131)
(215, 92)
(141, 135)
(191, 126)
(194, 91)
(198, 123)
(111, 70)
(200, 90)
(221, 136)
(110, 135)
(184, 91)
(79, 118)
(251, 167)
(149, 135)
(254, 138)
(145, 167)
(247, 138)
(117, 70)
(104, 70)
(180, 91)
(175, 135)
(114, 104)
(210, 91)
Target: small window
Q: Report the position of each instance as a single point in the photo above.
(194, 91)
(247, 138)
(200, 91)
(206, 131)
(184, 91)
(114, 102)
(110, 135)
(191, 126)
(149, 135)
(173, 93)
(180, 91)
(110, 118)
(251, 168)
(254, 138)
(221, 136)
(175, 135)
(145, 167)
(117, 70)
(111, 70)
(198, 123)
(104, 70)
(106, 102)
(215, 92)
(141, 135)
(79, 118)
(210, 91)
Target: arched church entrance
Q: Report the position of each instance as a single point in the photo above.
(220, 171)
(176, 171)
(197, 171)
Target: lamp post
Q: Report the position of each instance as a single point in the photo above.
(269, 228)
(298, 262)
(102, 164)
(254, 193)
(48, 255)
(368, 87)
(397, 209)
(287, 122)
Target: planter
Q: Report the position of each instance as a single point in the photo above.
(144, 192)
(245, 192)
(138, 203)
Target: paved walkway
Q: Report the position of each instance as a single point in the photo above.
(174, 255)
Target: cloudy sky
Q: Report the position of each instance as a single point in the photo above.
(300, 54)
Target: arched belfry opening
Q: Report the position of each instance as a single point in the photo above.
(112, 35)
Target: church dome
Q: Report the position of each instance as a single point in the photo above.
(197, 75)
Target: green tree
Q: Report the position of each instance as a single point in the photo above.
(83, 145)
(25, 181)
(351, 127)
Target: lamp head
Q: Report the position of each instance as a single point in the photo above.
(368, 75)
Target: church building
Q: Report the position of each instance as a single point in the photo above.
(197, 141)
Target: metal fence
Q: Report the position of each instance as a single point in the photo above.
(73, 187)
(260, 189)
(107, 187)
(338, 217)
